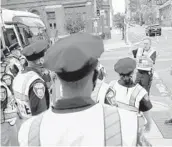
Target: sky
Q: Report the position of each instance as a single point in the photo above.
(118, 6)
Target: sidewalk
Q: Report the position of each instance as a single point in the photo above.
(160, 134)
(115, 41)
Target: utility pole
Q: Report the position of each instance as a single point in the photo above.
(95, 16)
(126, 21)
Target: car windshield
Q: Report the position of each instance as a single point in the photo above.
(32, 30)
(10, 37)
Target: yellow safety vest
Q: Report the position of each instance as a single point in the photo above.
(10, 113)
(112, 128)
(144, 62)
(128, 104)
(21, 85)
(136, 96)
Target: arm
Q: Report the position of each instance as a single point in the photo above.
(38, 97)
(153, 57)
(145, 106)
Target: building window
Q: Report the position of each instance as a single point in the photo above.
(54, 25)
(51, 15)
(50, 25)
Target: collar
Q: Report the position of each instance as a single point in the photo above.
(130, 85)
(73, 104)
(35, 69)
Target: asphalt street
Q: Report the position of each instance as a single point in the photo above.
(162, 84)
(161, 89)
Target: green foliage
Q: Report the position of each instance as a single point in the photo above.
(74, 25)
(99, 4)
(142, 11)
(133, 5)
(118, 22)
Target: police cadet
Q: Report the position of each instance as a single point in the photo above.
(145, 57)
(75, 119)
(29, 88)
(13, 59)
(131, 98)
(8, 117)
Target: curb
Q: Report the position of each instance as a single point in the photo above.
(166, 91)
(159, 103)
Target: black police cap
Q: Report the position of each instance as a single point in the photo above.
(75, 56)
(35, 50)
(125, 66)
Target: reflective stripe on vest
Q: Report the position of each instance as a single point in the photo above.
(126, 107)
(134, 95)
(145, 64)
(112, 125)
(150, 52)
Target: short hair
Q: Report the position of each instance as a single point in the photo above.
(76, 84)
(6, 74)
(3, 87)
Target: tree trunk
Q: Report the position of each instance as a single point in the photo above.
(123, 33)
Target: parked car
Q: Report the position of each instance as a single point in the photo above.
(153, 30)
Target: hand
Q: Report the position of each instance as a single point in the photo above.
(147, 127)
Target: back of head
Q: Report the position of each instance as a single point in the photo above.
(74, 57)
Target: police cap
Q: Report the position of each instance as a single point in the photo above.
(35, 50)
(125, 66)
(75, 56)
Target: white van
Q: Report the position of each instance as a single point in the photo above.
(20, 28)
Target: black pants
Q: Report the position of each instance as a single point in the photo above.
(144, 78)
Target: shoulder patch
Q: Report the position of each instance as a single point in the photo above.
(39, 90)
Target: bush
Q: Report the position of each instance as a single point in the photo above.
(75, 25)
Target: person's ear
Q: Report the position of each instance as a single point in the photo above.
(95, 75)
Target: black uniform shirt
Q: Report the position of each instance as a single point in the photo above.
(38, 95)
(37, 98)
(145, 105)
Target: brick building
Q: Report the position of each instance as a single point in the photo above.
(54, 13)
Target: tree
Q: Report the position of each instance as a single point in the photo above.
(133, 5)
(118, 22)
(74, 25)
(143, 9)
